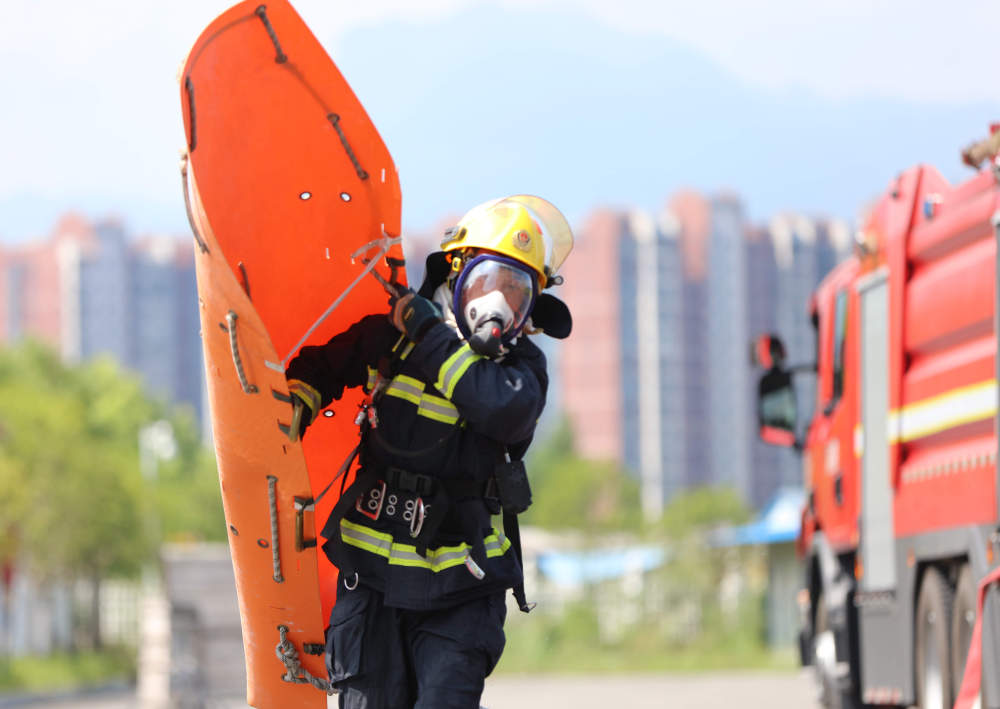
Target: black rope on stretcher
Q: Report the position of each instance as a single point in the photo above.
(335, 120)
(189, 87)
(261, 12)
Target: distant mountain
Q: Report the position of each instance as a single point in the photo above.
(490, 102)
(586, 115)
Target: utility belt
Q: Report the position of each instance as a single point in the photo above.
(421, 502)
(405, 498)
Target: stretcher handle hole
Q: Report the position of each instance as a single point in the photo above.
(263, 543)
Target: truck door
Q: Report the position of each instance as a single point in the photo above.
(884, 663)
(877, 545)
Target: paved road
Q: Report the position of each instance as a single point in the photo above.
(708, 691)
(756, 690)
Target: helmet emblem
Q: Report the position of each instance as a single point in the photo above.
(522, 240)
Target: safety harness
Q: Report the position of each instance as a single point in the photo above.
(421, 502)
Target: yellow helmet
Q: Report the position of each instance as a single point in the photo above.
(524, 228)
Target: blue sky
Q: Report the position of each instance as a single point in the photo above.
(795, 106)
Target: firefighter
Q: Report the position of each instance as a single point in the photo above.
(456, 388)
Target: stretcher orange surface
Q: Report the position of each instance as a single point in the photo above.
(293, 198)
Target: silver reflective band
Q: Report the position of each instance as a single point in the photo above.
(453, 369)
(397, 554)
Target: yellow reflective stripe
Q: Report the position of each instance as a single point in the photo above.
(935, 414)
(307, 393)
(407, 350)
(454, 367)
(372, 378)
(406, 388)
(428, 405)
(365, 538)
(434, 407)
(397, 554)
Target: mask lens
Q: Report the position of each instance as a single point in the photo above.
(496, 290)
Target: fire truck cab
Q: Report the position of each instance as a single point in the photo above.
(899, 457)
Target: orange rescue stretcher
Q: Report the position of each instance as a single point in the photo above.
(294, 201)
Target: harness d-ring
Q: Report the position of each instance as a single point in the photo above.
(356, 580)
(417, 521)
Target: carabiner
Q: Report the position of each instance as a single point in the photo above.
(417, 521)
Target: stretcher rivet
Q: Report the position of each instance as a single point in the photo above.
(345, 196)
(305, 195)
(263, 543)
(328, 413)
(233, 530)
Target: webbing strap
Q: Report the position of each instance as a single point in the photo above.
(513, 532)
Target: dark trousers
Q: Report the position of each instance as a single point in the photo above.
(389, 658)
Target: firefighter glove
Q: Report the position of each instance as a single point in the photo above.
(412, 314)
(306, 400)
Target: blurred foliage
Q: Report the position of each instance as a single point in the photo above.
(571, 642)
(74, 502)
(702, 509)
(701, 609)
(63, 671)
(570, 492)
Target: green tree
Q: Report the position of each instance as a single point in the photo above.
(74, 502)
(696, 571)
(570, 492)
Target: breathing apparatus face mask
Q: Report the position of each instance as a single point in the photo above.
(493, 299)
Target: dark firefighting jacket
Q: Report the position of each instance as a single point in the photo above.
(441, 413)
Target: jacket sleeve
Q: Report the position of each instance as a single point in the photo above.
(502, 400)
(343, 361)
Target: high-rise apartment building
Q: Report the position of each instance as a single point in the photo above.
(657, 372)
(91, 290)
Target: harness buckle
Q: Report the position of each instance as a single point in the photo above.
(417, 521)
(370, 503)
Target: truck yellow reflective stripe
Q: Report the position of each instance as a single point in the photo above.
(454, 367)
(935, 414)
(398, 554)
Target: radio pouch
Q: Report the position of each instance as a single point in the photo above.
(512, 486)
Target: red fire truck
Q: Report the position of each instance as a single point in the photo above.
(899, 458)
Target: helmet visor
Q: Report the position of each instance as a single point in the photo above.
(493, 288)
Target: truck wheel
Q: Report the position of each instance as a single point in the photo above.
(962, 619)
(934, 689)
(828, 667)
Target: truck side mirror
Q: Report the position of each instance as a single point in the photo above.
(767, 351)
(776, 408)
